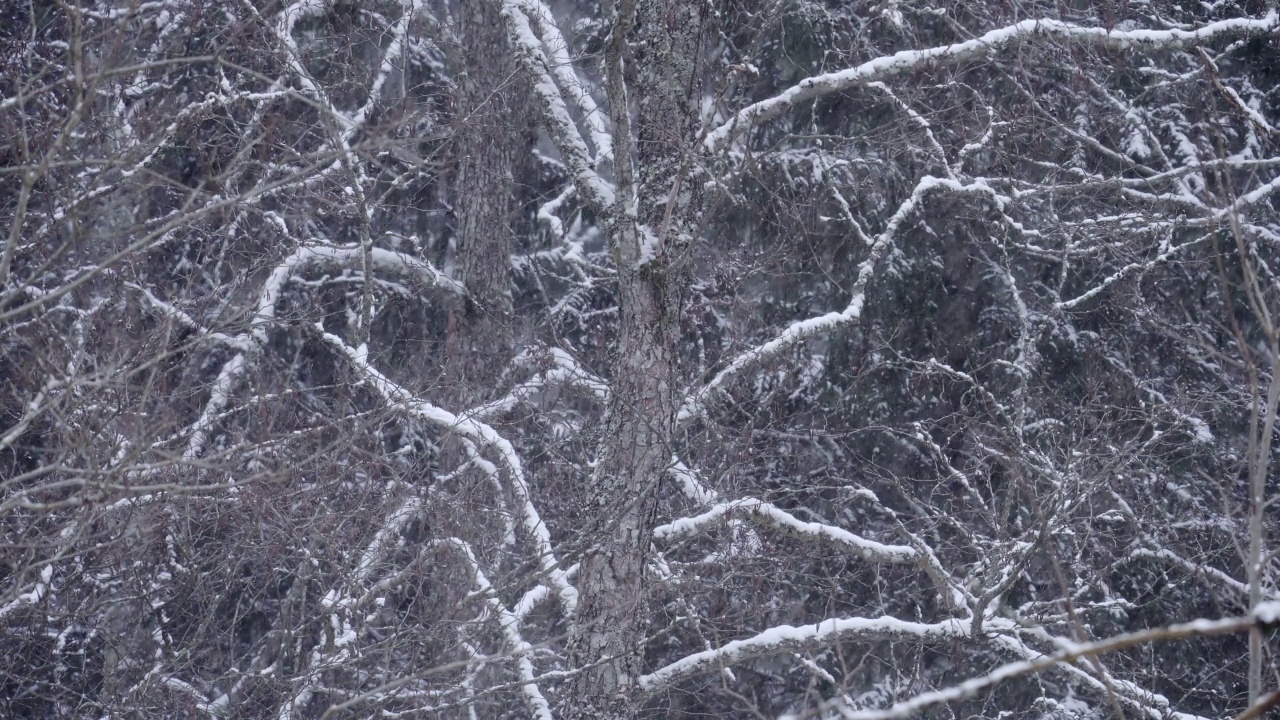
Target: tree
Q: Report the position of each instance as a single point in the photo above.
(743, 359)
(491, 150)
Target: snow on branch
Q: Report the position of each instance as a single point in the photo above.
(1266, 614)
(696, 403)
(384, 538)
(581, 376)
(472, 429)
(788, 638)
(1145, 702)
(186, 321)
(692, 487)
(744, 536)
(785, 522)
(37, 593)
(290, 17)
(565, 75)
(385, 68)
(1228, 583)
(343, 602)
(34, 408)
(214, 708)
(522, 393)
(248, 343)
(320, 253)
(510, 623)
(219, 397)
(560, 126)
(1166, 253)
(888, 65)
(564, 370)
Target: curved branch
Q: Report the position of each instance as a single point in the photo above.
(696, 404)
(888, 65)
(788, 638)
(472, 429)
(785, 522)
(970, 688)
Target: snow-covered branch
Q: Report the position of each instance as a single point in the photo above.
(696, 403)
(482, 434)
(787, 638)
(786, 523)
(907, 60)
(1072, 653)
(318, 254)
(564, 132)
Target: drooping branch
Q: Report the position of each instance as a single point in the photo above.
(559, 123)
(475, 430)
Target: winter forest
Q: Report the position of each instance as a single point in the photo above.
(637, 359)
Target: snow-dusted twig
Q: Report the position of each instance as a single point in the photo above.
(922, 122)
(1233, 585)
(785, 522)
(473, 429)
(250, 343)
(38, 591)
(1166, 253)
(529, 52)
(334, 644)
(510, 623)
(313, 254)
(219, 397)
(696, 403)
(566, 77)
(885, 66)
(1073, 652)
(788, 638)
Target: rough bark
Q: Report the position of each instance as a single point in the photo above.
(649, 239)
(490, 148)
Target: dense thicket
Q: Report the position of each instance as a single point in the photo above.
(746, 358)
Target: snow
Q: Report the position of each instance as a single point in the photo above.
(1267, 613)
(188, 689)
(510, 623)
(476, 431)
(390, 57)
(567, 77)
(249, 343)
(650, 245)
(319, 253)
(35, 594)
(696, 403)
(885, 66)
(787, 638)
(689, 483)
(386, 534)
(1200, 429)
(787, 523)
(560, 124)
(290, 17)
(547, 212)
(219, 397)
(1167, 253)
(581, 376)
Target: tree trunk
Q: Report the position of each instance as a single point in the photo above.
(492, 106)
(608, 639)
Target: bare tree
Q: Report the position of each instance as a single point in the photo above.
(616, 360)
